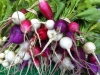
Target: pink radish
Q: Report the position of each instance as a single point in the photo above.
(45, 9)
(25, 26)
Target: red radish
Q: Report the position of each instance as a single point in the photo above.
(44, 27)
(25, 26)
(42, 34)
(45, 9)
(18, 17)
(91, 58)
(24, 11)
(36, 61)
(73, 27)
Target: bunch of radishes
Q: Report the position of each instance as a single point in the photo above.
(42, 43)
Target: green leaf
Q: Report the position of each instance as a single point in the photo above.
(90, 15)
(60, 7)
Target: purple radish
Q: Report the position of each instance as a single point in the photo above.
(63, 24)
(15, 36)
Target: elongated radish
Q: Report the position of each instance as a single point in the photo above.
(25, 26)
(62, 24)
(18, 17)
(45, 9)
(90, 48)
(53, 36)
(66, 43)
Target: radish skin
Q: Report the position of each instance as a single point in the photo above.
(89, 48)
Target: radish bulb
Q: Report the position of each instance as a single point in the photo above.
(35, 25)
(27, 56)
(49, 24)
(89, 48)
(1, 61)
(2, 55)
(10, 56)
(53, 36)
(66, 43)
(18, 60)
(18, 17)
(24, 46)
(5, 63)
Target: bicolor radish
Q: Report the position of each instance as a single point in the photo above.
(89, 48)
(45, 9)
(53, 36)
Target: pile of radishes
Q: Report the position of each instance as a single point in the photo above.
(48, 43)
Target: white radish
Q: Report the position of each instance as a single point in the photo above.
(9, 56)
(66, 43)
(90, 48)
(1, 42)
(53, 36)
(6, 51)
(5, 63)
(24, 45)
(1, 61)
(4, 38)
(18, 60)
(2, 55)
(27, 56)
(57, 58)
(66, 64)
(35, 25)
(49, 24)
(18, 17)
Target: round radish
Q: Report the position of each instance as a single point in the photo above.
(9, 56)
(18, 17)
(24, 46)
(49, 24)
(5, 63)
(26, 56)
(25, 26)
(90, 48)
(66, 43)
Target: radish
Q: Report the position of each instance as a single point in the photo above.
(35, 25)
(45, 9)
(26, 56)
(66, 43)
(49, 24)
(1, 60)
(57, 58)
(15, 36)
(89, 48)
(25, 26)
(5, 63)
(18, 17)
(42, 34)
(73, 27)
(36, 50)
(24, 46)
(24, 11)
(2, 55)
(18, 60)
(66, 64)
(53, 36)
(62, 24)
(10, 55)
